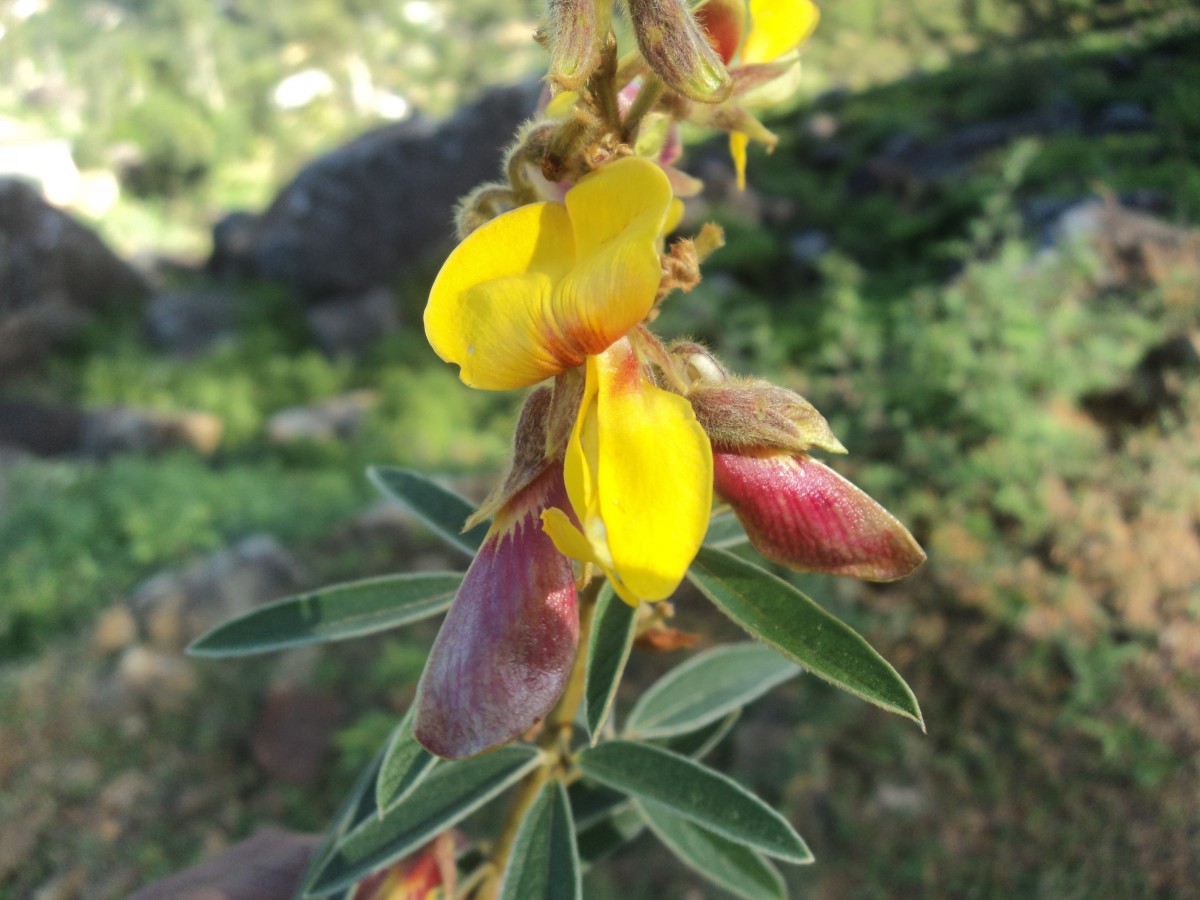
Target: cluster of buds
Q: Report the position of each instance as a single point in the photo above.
(625, 439)
(713, 65)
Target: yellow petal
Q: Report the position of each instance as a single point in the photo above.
(639, 476)
(626, 199)
(536, 290)
(777, 27)
(487, 309)
(674, 217)
(738, 143)
(617, 214)
(568, 540)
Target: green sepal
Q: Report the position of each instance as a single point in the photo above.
(783, 618)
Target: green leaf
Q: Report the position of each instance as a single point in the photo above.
(613, 627)
(405, 765)
(544, 864)
(332, 614)
(736, 868)
(451, 792)
(605, 820)
(603, 837)
(706, 688)
(358, 806)
(780, 616)
(696, 792)
(698, 744)
(725, 531)
(442, 510)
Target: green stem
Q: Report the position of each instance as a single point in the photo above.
(555, 740)
(650, 91)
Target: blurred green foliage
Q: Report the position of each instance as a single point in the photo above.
(188, 84)
(114, 522)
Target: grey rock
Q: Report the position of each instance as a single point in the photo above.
(233, 238)
(114, 630)
(175, 607)
(189, 322)
(350, 219)
(54, 273)
(44, 429)
(351, 325)
(55, 429)
(337, 418)
(809, 246)
(162, 678)
(1125, 117)
(125, 429)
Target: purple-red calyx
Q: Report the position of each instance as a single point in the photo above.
(800, 513)
(505, 650)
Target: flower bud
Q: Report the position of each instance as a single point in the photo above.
(678, 51)
(574, 33)
(699, 366)
(505, 650)
(801, 514)
(742, 416)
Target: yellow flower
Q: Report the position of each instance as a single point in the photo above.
(777, 28)
(535, 291)
(550, 287)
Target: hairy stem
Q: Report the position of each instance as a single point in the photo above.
(651, 90)
(554, 740)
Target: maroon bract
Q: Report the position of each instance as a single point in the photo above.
(505, 650)
(800, 513)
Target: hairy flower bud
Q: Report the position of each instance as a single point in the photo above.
(800, 513)
(574, 32)
(743, 415)
(678, 51)
(747, 415)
